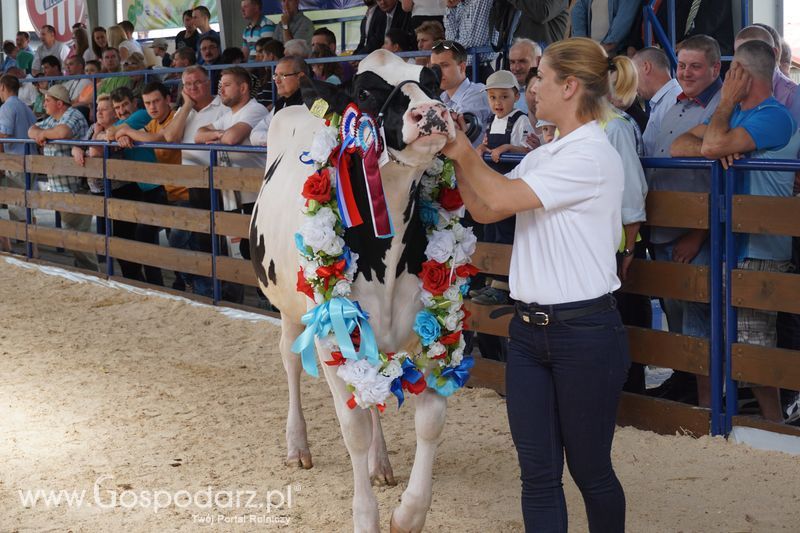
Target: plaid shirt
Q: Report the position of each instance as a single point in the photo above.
(468, 25)
(78, 129)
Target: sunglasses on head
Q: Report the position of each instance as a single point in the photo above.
(446, 44)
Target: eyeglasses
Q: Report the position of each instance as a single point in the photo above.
(446, 44)
(282, 77)
(195, 84)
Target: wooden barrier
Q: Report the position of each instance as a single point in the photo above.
(759, 290)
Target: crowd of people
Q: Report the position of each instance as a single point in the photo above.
(754, 109)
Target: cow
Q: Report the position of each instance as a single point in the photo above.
(416, 126)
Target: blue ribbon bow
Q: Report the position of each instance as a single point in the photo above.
(340, 316)
(453, 377)
(411, 374)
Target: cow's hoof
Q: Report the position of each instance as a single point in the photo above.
(394, 528)
(299, 459)
(381, 475)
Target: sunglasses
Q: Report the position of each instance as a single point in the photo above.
(446, 44)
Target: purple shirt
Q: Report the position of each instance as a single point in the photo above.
(783, 88)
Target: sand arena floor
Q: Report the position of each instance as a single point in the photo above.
(127, 395)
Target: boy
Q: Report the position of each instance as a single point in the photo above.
(508, 128)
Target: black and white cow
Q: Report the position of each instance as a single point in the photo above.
(416, 127)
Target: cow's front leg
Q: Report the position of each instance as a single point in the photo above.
(356, 426)
(380, 470)
(431, 410)
(297, 452)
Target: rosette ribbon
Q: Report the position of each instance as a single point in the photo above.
(411, 374)
(348, 210)
(452, 378)
(340, 316)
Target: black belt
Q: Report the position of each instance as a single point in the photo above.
(543, 315)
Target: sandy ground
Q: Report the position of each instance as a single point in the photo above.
(130, 394)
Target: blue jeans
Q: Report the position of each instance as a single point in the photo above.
(689, 318)
(563, 383)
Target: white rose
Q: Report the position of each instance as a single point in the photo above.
(325, 140)
(317, 236)
(325, 217)
(437, 348)
(334, 247)
(453, 318)
(351, 270)
(441, 245)
(458, 353)
(453, 293)
(373, 392)
(357, 372)
(465, 244)
(393, 369)
(342, 288)
(426, 297)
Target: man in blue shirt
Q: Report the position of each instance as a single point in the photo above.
(15, 120)
(749, 120)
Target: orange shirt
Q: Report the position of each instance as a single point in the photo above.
(171, 157)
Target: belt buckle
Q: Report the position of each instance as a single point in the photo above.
(540, 318)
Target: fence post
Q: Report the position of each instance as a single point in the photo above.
(648, 25)
(28, 210)
(718, 231)
(106, 195)
(731, 331)
(212, 162)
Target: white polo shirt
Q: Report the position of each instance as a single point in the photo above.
(195, 121)
(566, 251)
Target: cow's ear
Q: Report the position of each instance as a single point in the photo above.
(336, 96)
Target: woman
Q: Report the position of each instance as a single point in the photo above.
(99, 43)
(116, 36)
(80, 43)
(329, 72)
(568, 352)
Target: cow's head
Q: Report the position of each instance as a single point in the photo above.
(399, 95)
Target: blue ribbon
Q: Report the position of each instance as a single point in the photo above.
(454, 377)
(411, 374)
(340, 316)
(307, 160)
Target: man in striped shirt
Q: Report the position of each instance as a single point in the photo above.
(258, 26)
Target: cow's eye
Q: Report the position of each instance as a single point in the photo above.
(363, 94)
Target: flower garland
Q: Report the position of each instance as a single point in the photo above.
(328, 268)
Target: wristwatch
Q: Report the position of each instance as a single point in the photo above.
(627, 252)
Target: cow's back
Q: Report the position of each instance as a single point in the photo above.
(277, 215)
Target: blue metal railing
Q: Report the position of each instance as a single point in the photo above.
(721, 237)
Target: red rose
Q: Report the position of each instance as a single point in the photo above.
(452, 338)
(303, 285)
(355, 338)
(466, 271)
(318, 186)
(415, 388)
(338, 359)
(435, 277)
(450, 199)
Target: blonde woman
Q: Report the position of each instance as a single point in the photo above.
(568, 354)
(116, 36)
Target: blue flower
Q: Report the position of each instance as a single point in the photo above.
(427, 327)
(464, 288)
(428, 213)
(300, 243)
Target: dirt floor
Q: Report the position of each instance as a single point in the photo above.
(133, 398)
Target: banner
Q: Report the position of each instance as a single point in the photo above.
(161, 14)
(274, 6)
(61, 14)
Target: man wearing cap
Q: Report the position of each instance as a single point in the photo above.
(64, 122)
(160, 48)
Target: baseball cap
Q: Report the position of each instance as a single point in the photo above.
(159, 43)
(59, 92)
(502, 79)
